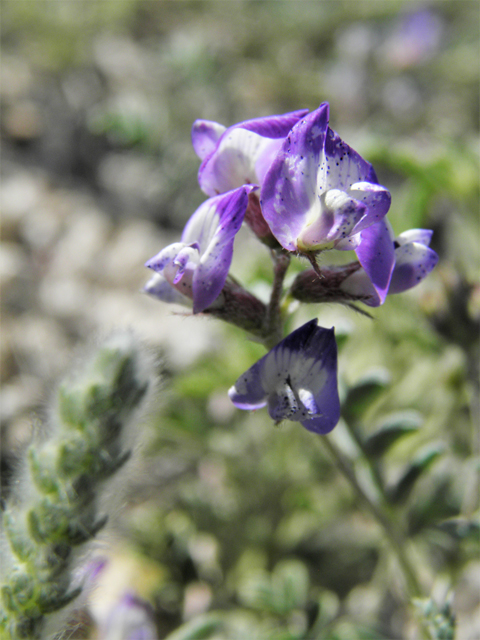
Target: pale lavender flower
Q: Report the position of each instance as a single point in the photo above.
(320, 194)
(297, 380)
(196, 268)
(240, 154)
(416, 38)
(413, 262)
(130, 619)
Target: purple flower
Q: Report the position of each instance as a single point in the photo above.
(413, 262)
(240, 154)
(130, 619)
(416, 38)
(196, 268)
(320, 194)
(297, 380)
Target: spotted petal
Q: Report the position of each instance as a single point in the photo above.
(289, 190)
(297, 193)
(414, 261)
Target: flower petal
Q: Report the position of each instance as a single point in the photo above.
(166, 255)
(198, 266)
(248, 392)
(377, 200)
(289, 190)
(377, 256)
(422, 236)
(244, 152)
(216, 257)
(273, 126)
(160, 288)
(414, 261)
(342, 167)
(339, 215)
(205, 134)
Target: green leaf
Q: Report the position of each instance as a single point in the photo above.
(42, 467)
(400, 492)
(363, 394)
(18, 535)
(392, 429)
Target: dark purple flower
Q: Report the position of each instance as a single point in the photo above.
(297, 380)
(196, 268)
(413, 262)
(240, 154)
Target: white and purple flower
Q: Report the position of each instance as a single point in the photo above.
(297, 380)
(196, 268)
(320, 194)
(413, 262)
(241, 154)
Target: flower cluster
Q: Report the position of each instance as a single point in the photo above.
(302, 191)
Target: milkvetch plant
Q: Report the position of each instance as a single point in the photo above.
(303, 192)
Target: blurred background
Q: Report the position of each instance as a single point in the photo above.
(225, 512)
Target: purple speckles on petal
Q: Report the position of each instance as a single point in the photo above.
(301, 191)
(414, 261)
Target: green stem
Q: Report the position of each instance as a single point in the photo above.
(373, 467)
(394, 539)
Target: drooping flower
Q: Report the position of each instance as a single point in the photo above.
(297, 380)
(196, 268)
(413, 262)
(240, 154)
(320, 194)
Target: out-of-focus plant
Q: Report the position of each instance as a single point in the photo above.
(61, 498)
